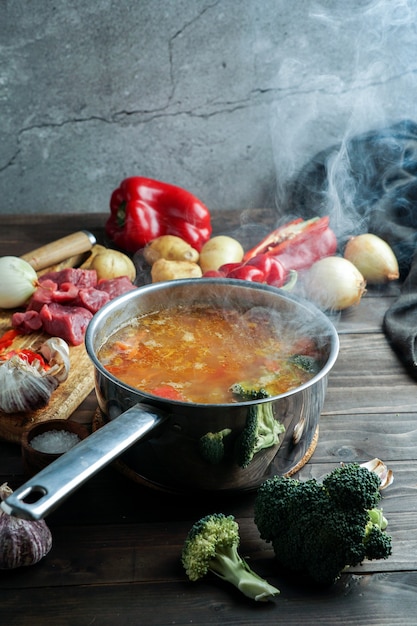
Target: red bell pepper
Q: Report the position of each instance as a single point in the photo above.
(298, 244)
(142, 209)
(260, 269)
(247, 272)
(274, 271)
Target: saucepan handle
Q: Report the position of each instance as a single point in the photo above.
(46, 490)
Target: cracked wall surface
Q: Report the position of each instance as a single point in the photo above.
(226, 98)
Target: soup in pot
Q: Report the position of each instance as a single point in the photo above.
(206, 354)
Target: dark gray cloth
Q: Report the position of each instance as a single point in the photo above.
(369, 184)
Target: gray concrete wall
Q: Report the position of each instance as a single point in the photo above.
(226, 98)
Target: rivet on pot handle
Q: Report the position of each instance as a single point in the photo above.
(62, 477)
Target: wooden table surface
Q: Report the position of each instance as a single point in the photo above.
(116, 544)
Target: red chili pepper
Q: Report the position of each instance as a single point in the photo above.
(7, 338)
(142, 209)
(298, 244)
(26, 355)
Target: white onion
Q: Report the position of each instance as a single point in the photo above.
(373, 257)
(334, 283)
(18, 281)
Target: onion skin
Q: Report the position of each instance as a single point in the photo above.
(334, 283)
(373, 257)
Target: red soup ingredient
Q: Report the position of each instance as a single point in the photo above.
(195, 353)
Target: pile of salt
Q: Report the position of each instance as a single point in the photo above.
(54, 441)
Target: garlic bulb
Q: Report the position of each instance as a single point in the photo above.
(28, 386)
(23, 387)
(23, 542)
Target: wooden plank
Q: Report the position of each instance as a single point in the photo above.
(368, 377)
(355, 600)
(359, 436)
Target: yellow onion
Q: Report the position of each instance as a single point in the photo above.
(373, 257)
(334, 283)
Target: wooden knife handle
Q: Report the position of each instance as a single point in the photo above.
(59, 250)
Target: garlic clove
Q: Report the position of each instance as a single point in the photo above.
(378, 467)
(56, 352)
(23, 542)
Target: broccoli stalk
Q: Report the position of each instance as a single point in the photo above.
(321, 529)
(212, 546)
(211, 445)
(261, 431)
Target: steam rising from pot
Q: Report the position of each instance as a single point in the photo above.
(336, 97)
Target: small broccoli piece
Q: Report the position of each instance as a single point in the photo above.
(211, 445)
(246, 391)
(212, 546)
(261, 431)
(321, 529)
(305, 362)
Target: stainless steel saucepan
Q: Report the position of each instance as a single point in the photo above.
(158, 438)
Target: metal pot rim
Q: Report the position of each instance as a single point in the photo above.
(118, 302)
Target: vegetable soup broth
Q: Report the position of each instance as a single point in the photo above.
(195, 353)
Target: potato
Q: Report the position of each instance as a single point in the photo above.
(164, 269)
(220, 250)
(110, 263)
(169, 247)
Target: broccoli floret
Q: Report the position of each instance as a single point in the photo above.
(305, 362)
(211, 445)
(246, 391)
(321, 529)
(261, 431)
(212, 546)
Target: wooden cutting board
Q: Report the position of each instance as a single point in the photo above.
(65, 399)
(69, 394)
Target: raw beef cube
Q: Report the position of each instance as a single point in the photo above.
(27, 322)
(92, 299)
(67, 322)
(42, 295)
(77, 276)
(116, 286)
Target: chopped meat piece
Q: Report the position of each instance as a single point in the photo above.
(65, 301)
(92, 299)
(27, 322)
(116, 286)
(66, 293)
(77, 276)
(42, 295)
(67, 322)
